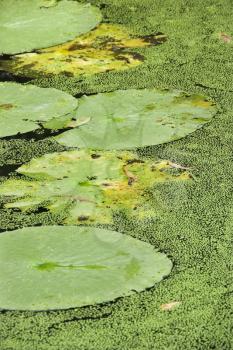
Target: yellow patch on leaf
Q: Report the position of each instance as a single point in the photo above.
(89, 187)
(102, 49)
(128, 193)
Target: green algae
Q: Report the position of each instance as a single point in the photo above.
(195, 223)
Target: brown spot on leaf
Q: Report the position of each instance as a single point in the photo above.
(155, 39)
(122, 58)
(83, 218)
(106, 184)
(76, 46)
(91, 178)
(95, 156)
(135, 160)
(28, 66)
(131, 177)
(138, 56)
(6, 106)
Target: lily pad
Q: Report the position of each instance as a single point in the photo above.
(25, 108)
(55, 267)
(27, 25)
(106, 48)
(87, 186)
(126, 119)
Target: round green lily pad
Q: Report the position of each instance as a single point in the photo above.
(56, 267)
(27, 25)
(126, 119)
(25, 108)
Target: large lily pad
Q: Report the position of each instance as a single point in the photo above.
(57, 267)
(26, 25)
(25, 108)
(126, 119)
(88, 186)
(106, 48)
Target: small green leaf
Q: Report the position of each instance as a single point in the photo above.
(126, 119)
(55, 267)
(27, 25)
(25, 108)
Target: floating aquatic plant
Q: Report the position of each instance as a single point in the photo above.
(27, 25)
(25, 108)
(106, 48)
(88, 186)
(126, 119)
(55, 267)
(121, 119)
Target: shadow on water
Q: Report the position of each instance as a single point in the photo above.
(7, 76)
(40, 134)
(7, 169)
(35, 135)
(32, 136)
